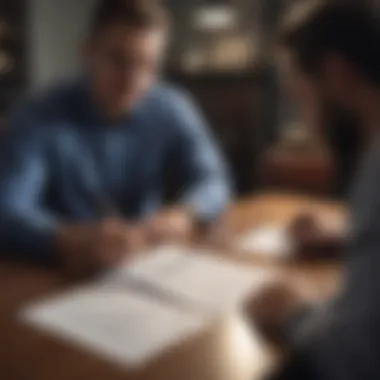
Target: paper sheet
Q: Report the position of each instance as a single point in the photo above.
(139, 310)
(125, 327)
(196, 278)
(270, 240)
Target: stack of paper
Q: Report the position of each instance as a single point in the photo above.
(142, 309)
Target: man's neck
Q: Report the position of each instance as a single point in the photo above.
(108, 113)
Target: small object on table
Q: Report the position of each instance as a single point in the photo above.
(311, 240)
(269, 241)
(305, 238)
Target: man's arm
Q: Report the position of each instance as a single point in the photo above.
(197, 162)
(340, 341)
(331, 341)
(26, 227)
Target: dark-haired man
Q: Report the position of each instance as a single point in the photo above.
(332, 58)
(83, 166)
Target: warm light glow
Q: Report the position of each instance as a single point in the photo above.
(243, 354)
(215, 18)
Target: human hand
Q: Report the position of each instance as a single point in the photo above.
(273, 307)
(173, 225)
(314, 241)
(87, 249)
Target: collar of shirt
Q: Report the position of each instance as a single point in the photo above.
(89, 111)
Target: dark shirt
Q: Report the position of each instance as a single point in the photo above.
(342, 340)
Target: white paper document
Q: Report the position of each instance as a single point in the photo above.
(196, 278)
(124, 327)
(139, 310)
(270, 240)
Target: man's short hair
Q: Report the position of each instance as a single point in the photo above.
(140, 14)
(349, 29)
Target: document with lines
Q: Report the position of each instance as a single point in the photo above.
(194, 277)
(140, 310)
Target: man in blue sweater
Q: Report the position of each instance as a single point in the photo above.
(83, 166)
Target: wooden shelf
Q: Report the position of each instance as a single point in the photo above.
(255, 74)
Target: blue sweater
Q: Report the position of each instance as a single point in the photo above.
(61, 164)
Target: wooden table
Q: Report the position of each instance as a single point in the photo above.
(229, 351)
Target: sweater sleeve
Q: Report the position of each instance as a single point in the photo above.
(197, 162)
(26, 227)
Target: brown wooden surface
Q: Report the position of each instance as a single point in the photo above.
(228, 351)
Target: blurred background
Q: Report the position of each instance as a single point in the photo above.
(222, 52)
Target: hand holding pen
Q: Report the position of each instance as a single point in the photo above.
(98, 246)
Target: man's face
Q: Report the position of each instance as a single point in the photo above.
(324, 103)
(123, 63)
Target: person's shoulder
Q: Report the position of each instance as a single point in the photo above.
(173, 104)
(43, 106)
(170, 94)
(178, 111)
(50, 99)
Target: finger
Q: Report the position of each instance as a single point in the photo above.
(154, 230)
(137, 238)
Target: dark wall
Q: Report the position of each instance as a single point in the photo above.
(13, 44)
(243, 108)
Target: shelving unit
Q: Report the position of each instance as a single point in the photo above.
(238, 100)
